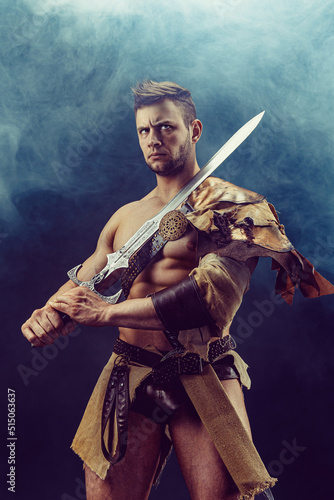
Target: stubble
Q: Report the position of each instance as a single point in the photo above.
(175, 165)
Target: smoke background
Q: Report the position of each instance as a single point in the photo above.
(70, 158)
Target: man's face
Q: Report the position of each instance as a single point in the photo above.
(164, 138)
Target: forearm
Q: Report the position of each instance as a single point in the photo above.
(134, 313)
(85, 307)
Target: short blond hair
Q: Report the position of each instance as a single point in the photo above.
(149, 92)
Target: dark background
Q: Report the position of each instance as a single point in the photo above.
(69, 159)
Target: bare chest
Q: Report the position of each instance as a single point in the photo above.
(183, 246)
(172, 264)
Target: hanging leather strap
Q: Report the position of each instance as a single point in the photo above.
(116, 399)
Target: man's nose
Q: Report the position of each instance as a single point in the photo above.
(155, 139)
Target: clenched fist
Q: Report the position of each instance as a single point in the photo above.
(45, 326)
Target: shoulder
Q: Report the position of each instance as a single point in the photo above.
(134, 206)
(131, 214)
(123, 213)
(214, 190)
(126, 210)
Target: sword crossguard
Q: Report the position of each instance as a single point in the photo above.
(72, 274)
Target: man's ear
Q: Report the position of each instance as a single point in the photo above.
(196, 128)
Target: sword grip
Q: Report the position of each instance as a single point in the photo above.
(65, 317)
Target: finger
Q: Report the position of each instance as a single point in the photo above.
(42, 328)
(46, 328)
(59, 323)
(43, 335)
(67, 324)
(60, 305)
(31, 337)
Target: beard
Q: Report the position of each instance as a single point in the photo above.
(175, 165)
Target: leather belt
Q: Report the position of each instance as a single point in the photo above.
(165, 370)
(147, 358)
(136, 354)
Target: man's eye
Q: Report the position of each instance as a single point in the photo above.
(166, 127)
(143, 131)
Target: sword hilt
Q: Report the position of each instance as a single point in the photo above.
(65, 317)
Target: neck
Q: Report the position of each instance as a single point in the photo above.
(168, 187)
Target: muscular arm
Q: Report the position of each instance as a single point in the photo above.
(213, 292)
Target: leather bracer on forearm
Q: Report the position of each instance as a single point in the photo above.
(181, 306)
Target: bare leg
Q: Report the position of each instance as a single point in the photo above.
(132, 478)
(204, 471)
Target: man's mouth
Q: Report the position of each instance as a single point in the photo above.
(156, 155)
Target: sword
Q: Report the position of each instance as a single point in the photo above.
(119, 260)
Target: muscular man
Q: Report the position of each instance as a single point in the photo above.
(185, 296)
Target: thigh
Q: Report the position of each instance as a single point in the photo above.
(133, 476)
(204, 471)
